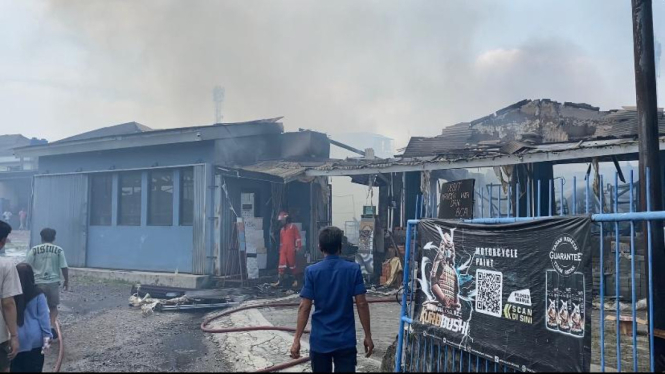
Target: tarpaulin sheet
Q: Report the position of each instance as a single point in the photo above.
(516, 294)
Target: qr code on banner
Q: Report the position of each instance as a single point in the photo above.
(489, 297)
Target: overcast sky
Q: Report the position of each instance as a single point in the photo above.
(399, 68)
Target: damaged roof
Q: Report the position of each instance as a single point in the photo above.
(275, 171)
(284, 170)
(525, 132)
(552, 152)
(530, 122)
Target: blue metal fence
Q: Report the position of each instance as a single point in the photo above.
(417, 352)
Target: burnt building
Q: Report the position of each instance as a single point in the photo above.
(519, 147)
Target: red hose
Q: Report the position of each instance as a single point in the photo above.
(61, 348)
(273, 368)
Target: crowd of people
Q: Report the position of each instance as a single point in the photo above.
(30, 294)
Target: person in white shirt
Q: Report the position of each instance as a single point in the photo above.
(10, 286)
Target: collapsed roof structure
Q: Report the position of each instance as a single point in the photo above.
(528, 124)
(525, 132)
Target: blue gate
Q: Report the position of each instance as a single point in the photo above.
(419, 352)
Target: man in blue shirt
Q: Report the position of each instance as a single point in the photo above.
(331, 285)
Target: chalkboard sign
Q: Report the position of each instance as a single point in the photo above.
(456, 200)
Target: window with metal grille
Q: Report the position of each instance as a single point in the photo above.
(101, 186)
(187, 197)
(129, 207)
(160, 200)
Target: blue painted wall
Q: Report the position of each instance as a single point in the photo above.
(147, 248)
(144, 247)
(157, 248)
(130, 158)
(151, 248)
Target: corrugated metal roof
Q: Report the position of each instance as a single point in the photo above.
(135, 128)
(282, 169)
(358, 164)
(285, 170)
(122, 129)
(453, 137)
(9, 142)
(623, 124)
(155, 137)
(493, 157)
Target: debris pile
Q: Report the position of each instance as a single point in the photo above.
(146, 303)
(623, 306)
(176, 299)
(162, 299)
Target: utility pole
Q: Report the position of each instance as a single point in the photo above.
(647, 124)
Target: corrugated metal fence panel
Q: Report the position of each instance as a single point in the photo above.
(230, 257)
(217, 236)
(199, 252)
(61, 202)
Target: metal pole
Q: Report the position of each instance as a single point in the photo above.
(647, 124)
(405, 287)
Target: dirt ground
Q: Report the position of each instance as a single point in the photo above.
(384, 323)
(626, 345)
(102, 333)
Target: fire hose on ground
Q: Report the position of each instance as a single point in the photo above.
(61, 348)
(278, 367)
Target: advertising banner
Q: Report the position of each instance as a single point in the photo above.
(516, 294)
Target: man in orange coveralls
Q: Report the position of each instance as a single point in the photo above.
(289, 244)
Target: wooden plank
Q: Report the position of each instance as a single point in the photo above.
(626, 319)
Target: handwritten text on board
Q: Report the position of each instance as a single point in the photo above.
(456, 200)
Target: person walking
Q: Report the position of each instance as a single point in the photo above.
(47, 261)
(331, 285)
(10, 286)
(34, 325)
(23, 217)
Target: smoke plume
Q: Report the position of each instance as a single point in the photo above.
(394, 67)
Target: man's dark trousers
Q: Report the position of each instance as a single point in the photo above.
(344, 359)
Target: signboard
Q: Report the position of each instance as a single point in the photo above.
(365, 256)
(456, 199)
(517, 294)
